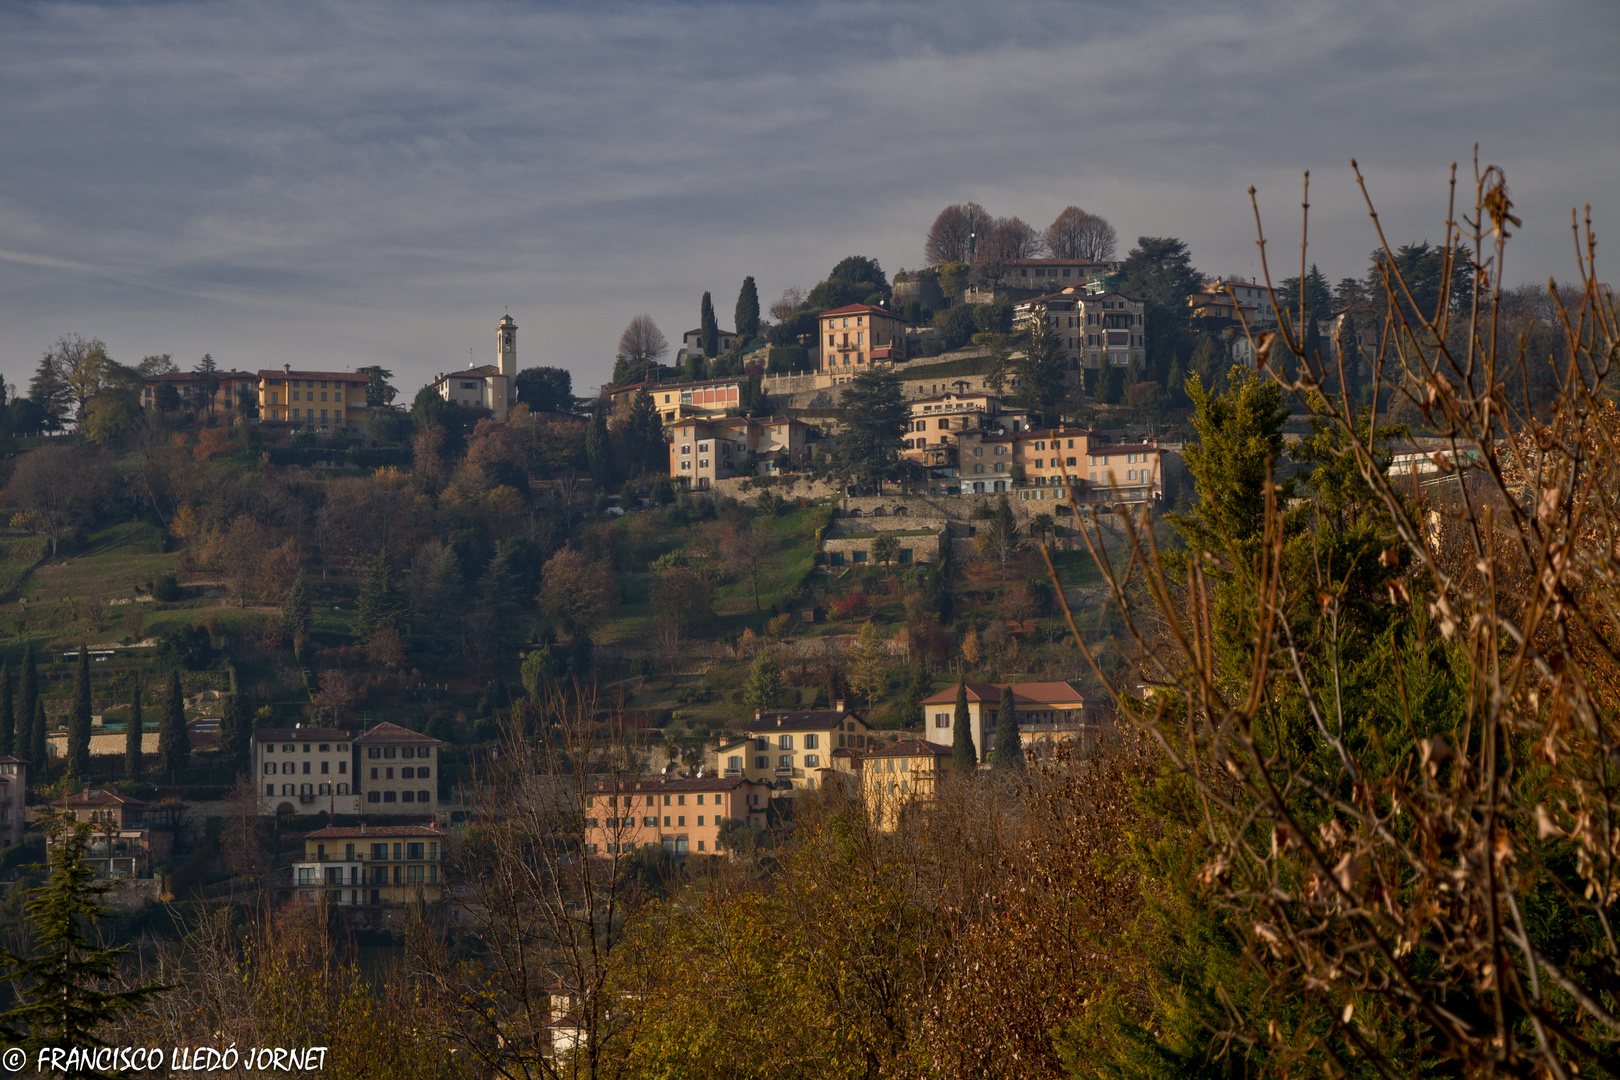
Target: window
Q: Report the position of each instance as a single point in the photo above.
(389, 774)
(942, 720)
(680, 822)
(700, 820)
(784, 761)
(388, 751)
(734, 763)
(373, 752)
(286, 789)
(388, 796)
(811, 742)
(270, 789)
(326, 766)
(407, 796)
(762, 762)
(269, 768)
(784, 742)
(407, 773)
(421, 772)
(373, 796)
(343, 789)
(413, 851)
(812, 761)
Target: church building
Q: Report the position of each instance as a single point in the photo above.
(491, 386)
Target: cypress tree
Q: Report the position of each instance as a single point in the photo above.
(39, 745)
(132, 734)
(235, 730)
(708, 328)
(599, 448)
(1009, 745)
(25, 709)
(295, 613)
(964, 756)
(78, 741)
(8, 719)
(747, 313)
(174, 746)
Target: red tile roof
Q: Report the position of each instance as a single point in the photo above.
(101, 798)
(909, 748)
(858, 309)
(315, 734)
(340, 376)
(345, 833)
(818, 720)
(1038, 693)
(393, 733)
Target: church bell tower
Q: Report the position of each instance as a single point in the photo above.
(506, 346)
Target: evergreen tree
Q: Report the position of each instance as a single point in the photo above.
(295, 611)
(78, 741)
(382, 601)
(1111, 384)
(599, 448)
(764, 681)
(747, 313)
(39, 745)
(708, 328)
(174, 745)
(1040, 372)
(875, 420)
(28, 697)
(1009, 744)
(8, 719)
(235, 729)
(964, 755)
(133, 734)
(644, 445)
(59, 977)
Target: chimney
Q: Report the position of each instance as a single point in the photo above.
(286, 369)
(759, 714)
(362, 828)
(838, 706)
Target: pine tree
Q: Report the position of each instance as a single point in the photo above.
(25, 706)
(764, 681)
(235, 729)
(63, 966)
(39, 745)
(382, 603)
(1009, 744)
(964, 756)
(174, 745)
(78, 741)
(708, 328)
(747, 313)
(645, 449)
(295, 611)
(8, 719)
(133, 734)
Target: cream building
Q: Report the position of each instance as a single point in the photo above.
(1093, 329)
(856, 335)
(487, 386)
(787, 750)
(305, 771)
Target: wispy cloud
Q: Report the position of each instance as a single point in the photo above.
(358, 182)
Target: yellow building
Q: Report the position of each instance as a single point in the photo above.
(325, 401)
(388, 864)
(787, 750)
(233, 390)
(898, 779)
(856, 335)
(681, 816)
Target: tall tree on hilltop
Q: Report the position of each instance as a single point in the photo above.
(1159, 270)
(645, 449)
(382, 601)
(133, 733)
(60, 974)
(708, 328)
(379, 391)
(746, 317)
(964, 755)
(1318, 297)
(1009, 742)
(8, 718)
(174, 744)
(1011, 239)
(641, 347)
(78, 741)
(856, 279)
(875, 419)
(950, 238)
(1079, 235)
(207, 372)
(546, 389)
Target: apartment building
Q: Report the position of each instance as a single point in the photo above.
(1124, 473)
(398, 770)
(13, 800)
(855, 335)
(305, 771)
(387, 864)
(1094, 329)
(939, 419)
(787, 750)
(1040, 703)
(674, 401)
(703, 451)
(1225, 298)
(126, 837)
(319, 401)
(233, 390)
(681, 816)
(897, 779)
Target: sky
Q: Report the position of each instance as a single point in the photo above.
(336, 183)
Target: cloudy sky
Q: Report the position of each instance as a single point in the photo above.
(351, 182)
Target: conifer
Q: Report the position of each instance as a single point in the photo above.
(78, 740)
(8, 720)
(133, 733)
(964, 755)
(1009, 743)
(174, 745)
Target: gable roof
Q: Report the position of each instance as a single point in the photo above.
(814, 720)
(396, 735)
(1034, 693)
(99, 797)
(293, 373)
(908, 748)
(314, 734)
(332, 832)
(858, 309)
